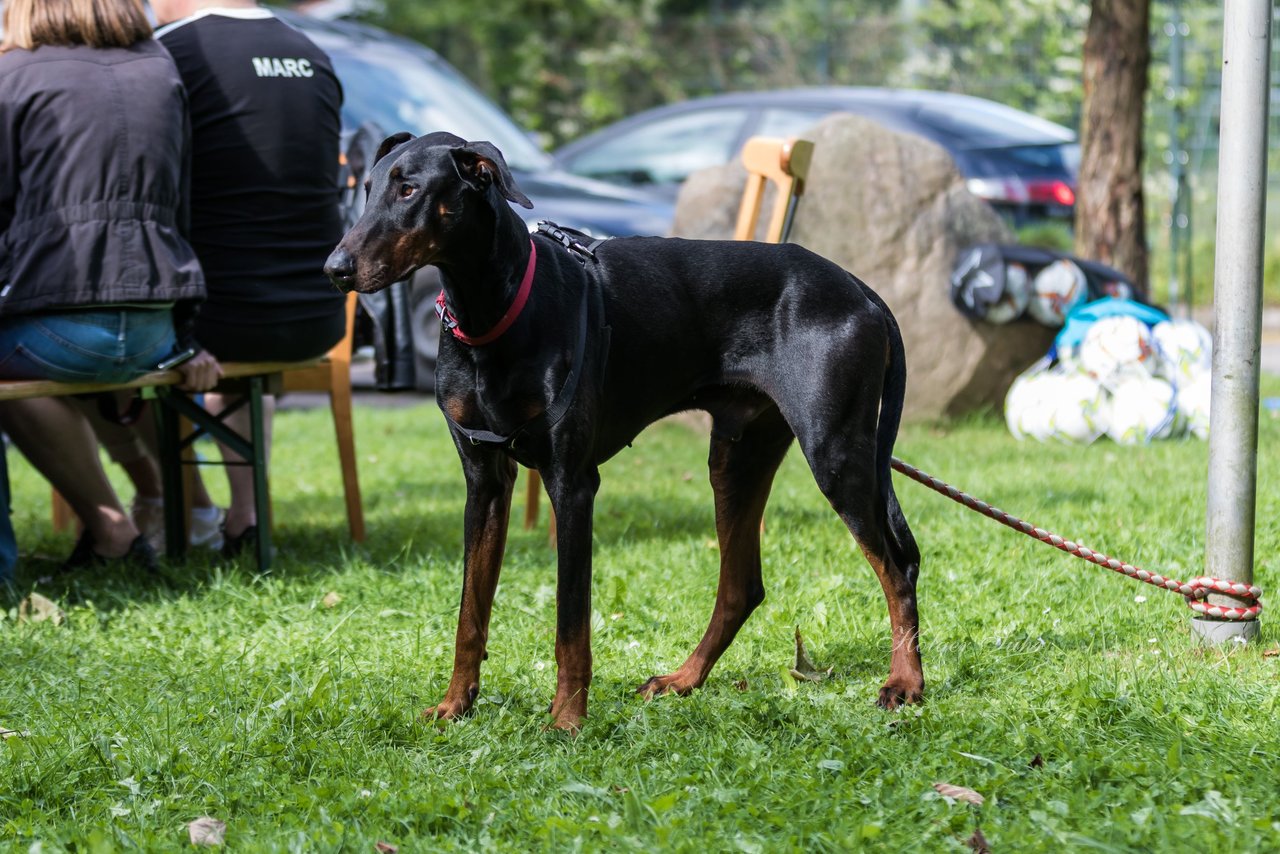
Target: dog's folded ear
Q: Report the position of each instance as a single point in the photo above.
(390, 143)
(480, 164)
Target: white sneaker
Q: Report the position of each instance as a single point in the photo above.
(206, 524)
(206, 527)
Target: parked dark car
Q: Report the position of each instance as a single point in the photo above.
(1023, 165)
(400, 85)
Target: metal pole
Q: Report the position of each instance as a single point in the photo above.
(1175, 157)
(1242, 178)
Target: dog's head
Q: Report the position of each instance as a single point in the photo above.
(424, 196)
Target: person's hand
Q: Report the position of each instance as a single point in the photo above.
(200, 373)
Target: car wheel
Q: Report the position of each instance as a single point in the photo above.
(426, 326)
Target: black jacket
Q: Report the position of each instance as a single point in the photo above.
(94, 151)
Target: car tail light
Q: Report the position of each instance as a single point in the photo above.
(1017, 191)
(1055, 191)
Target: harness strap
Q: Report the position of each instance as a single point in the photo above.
(553, 413)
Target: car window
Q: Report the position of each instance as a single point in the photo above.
(402, 91)
(784, 122)
(974, 123)
(664, 151)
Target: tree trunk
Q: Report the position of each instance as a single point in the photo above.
(1110, 225)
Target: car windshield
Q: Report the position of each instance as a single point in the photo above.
(974, 123)
(401, 90)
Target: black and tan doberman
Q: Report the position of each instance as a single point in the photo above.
(562, 351)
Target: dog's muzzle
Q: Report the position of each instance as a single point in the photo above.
(341, 269)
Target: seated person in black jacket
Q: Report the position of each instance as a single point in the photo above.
(93, 261)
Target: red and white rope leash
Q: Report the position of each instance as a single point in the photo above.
(1194, 591)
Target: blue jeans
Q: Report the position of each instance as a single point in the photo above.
(8, 542)
(96, 345)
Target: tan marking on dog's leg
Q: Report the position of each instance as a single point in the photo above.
(906, 674)
(482, 565)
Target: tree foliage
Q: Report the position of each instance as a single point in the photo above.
(1025, 54)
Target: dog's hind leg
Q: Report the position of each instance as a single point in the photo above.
(490, 478)
(742, 471)
(844, 465)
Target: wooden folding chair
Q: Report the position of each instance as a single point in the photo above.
(785, 162)
(332, 375)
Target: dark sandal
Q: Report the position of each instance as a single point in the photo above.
(140, 555)
(234, 546)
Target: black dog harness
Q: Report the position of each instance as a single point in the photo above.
(572, 241)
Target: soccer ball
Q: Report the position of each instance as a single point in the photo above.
(1193, 403)
(1013, 301)
(1081, 410)
(1118, 290)
(1052, 404)
(1116, 347)
(1056, 290)
(1028, 405)
(1142, 409)
(1186, 347)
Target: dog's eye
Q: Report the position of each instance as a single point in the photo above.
(407, 190)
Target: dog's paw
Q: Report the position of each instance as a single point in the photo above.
(567, 722)
(672, 683)
(447, 710)
(568, 711)
(895, 694)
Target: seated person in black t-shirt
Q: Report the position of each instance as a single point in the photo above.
(265, 123)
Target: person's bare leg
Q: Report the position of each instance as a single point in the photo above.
(56, 438)
(127, 447)
(136, 449)
(241, 514)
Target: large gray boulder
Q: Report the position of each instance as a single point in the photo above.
(892, 209)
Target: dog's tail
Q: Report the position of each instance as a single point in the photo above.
(892, 397)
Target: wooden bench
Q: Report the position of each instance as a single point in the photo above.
(250, 380)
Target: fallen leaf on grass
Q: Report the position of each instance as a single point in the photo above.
(36, 609)
(1037, 762)
(385, 848)
(805, 669)
(978, 842)
(959, 793)
(741, 685)
(207, 830)
(330, 599)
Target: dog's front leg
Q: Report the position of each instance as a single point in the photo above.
(490, 478)
(573, 497)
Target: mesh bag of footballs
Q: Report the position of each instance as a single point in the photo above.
(1126, 380)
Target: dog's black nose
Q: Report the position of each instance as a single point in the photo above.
(341, 269)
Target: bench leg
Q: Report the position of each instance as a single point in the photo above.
(261, 495)
(171, 479)
(253, 450)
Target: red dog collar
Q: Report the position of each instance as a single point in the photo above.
(517, 305)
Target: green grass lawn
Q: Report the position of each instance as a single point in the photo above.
(1073, 699)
